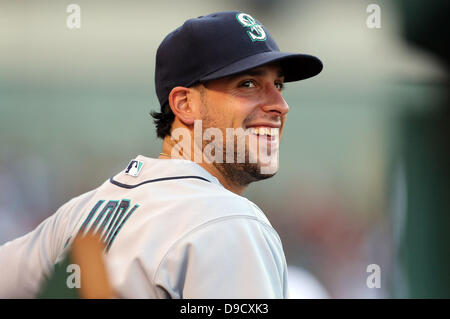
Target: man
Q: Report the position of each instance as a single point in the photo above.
(176, 226)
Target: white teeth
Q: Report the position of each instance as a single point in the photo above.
(272, 131)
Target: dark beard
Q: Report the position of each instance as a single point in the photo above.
(242, 173)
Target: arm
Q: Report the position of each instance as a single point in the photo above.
(23, 263)
(27, 260)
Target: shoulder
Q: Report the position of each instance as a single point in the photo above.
(237, 256)
(68, 214)
(229, 230)
(78, 200)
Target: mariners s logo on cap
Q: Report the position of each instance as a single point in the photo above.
(256, 32)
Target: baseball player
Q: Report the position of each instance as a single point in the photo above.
(176, 226)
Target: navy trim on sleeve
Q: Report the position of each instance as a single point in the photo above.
(155, 180)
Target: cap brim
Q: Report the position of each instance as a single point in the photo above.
(295, 67)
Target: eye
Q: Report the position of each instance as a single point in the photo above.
(248, 84)
(279, 86)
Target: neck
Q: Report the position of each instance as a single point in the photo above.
(166, 153)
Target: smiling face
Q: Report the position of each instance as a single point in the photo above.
(251, 101)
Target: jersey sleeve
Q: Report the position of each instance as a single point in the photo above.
(230, 258)
(26, 261)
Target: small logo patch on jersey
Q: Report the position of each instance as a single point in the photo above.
(134, 168)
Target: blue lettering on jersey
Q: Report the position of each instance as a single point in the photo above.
(109, 221)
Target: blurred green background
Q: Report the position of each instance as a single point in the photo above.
(363, 173)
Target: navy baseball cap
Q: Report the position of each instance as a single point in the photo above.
(222, 44)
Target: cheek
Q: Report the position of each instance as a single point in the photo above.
(228, 110)
(231, 114)
(242, 113)
(222, 116)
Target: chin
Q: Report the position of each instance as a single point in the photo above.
(244, 173)
(264, 170)
(259, 176)
(265, 166)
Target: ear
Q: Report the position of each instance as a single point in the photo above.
(181, 105)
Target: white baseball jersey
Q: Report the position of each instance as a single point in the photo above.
(171, 231)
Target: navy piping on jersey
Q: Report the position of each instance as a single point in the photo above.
(156, 180)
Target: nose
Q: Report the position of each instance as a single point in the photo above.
(275, 103)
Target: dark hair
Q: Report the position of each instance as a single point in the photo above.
(163, 120)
